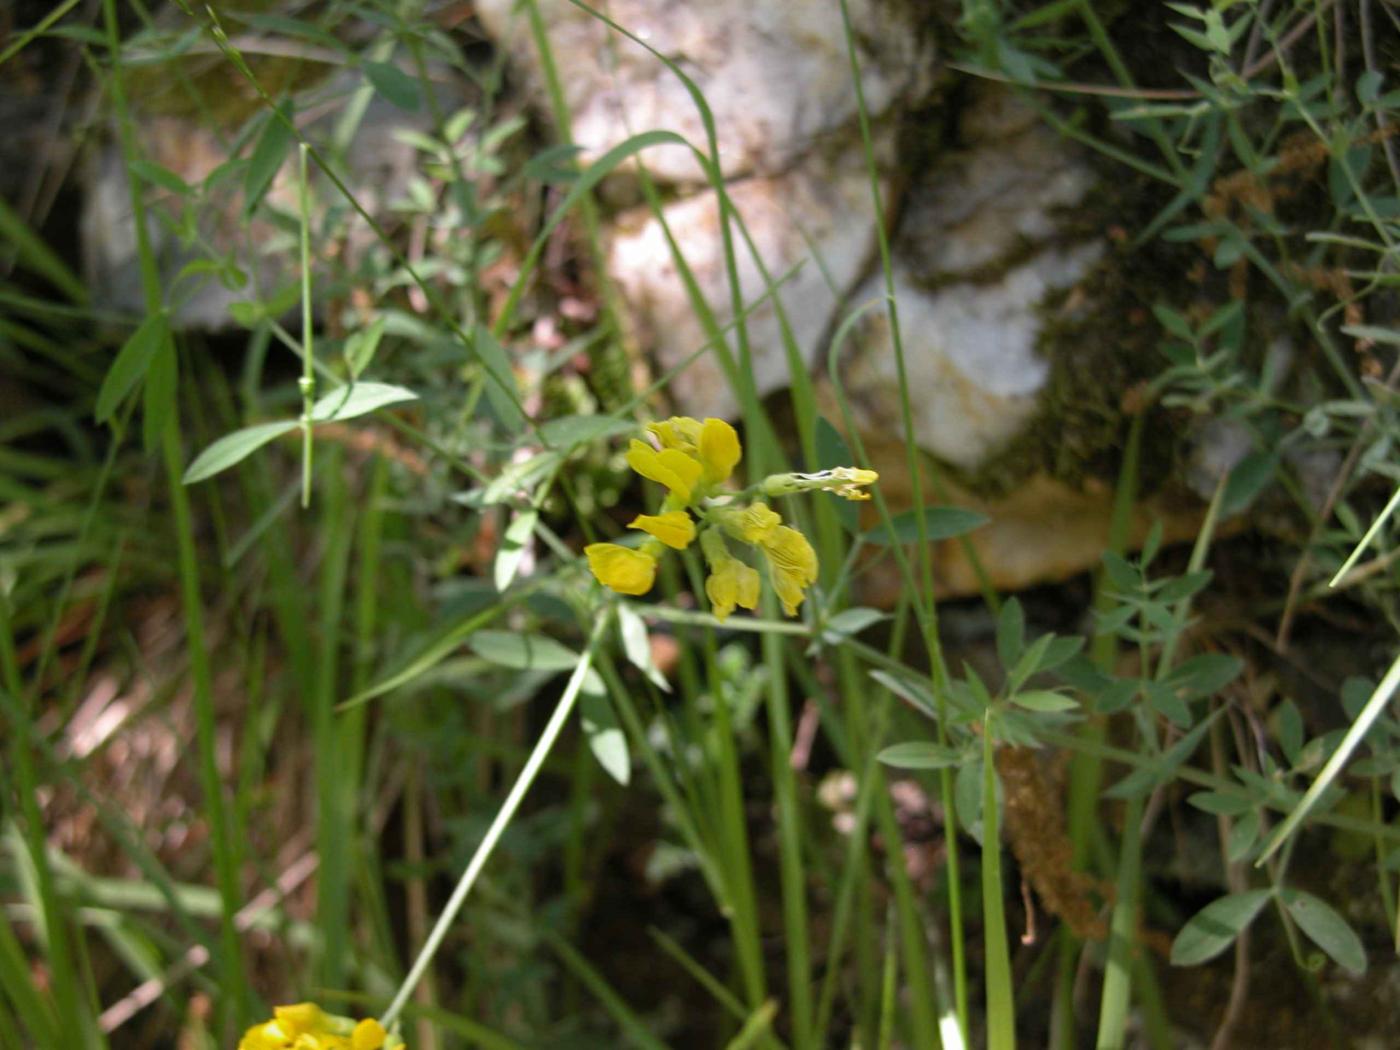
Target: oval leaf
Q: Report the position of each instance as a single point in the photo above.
(1326, 928)
(1044, 700)
(920, 754)
(394, 84)
(605, 736)
(1214, 928)
(358, 400)
(940, 523)
(234, 448)
(523, 652)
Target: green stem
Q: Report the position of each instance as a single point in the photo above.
(518, 790)
(1001, 1002)
(307, 383)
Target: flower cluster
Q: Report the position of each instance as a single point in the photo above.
(305, 1026)
(693, 462)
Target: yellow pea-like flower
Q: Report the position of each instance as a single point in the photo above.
(679, 432)
(731, 584)
(305, 1026)
(623, 569)
(792, 565)
(754, 523)
(719, 450)
(669, 467)
(369, 1034)
(674, 528)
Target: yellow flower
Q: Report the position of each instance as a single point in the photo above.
(369, 1034)
(731, 583)
(713, 443)
(669, 467)
(674, 528)
(305, 1026)
(719, 450)
(625, 570)
(679, 432)
(792, 565)
(754, 523)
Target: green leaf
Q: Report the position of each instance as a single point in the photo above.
(130, 365)
(1121, 573)
(940, 523)
(1214, 928)
(159, 176)
(1172, 321)
(1044, 700)
(267, 156)
(358, 400)
(158, 395)
(1243, 835)
(1143, 779)
(636, 645)
(1326, 928)
(915, 693)
(921, 754)
(832, 451)
(850, 622)
(565, 432)
(1218, 802)
(361, 346)
(234, 448)
(501, 390)
(513, 546)
(605, 737)
(1178, 588)
(1289, 730)
(1248, 478)
(394, 84)
(1011, 632)
(1206, 674)
(522, 652)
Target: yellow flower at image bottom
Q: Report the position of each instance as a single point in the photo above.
(305, 1026)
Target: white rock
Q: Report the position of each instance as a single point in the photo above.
(970, 355)
(775, 73)
(814, 210)
(981, 204)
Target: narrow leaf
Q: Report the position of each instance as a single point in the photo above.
(234, 448)
(358, 400)
(394, 84)
(130, 365)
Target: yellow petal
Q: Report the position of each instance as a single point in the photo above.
(731, 583)
(369, 1034)
(674, 528)
(678, 432)
(621, 568)
(669, 467)
(266, 1036)
(300, 1017)
(755, 523)
(719, 450)
(792, 565)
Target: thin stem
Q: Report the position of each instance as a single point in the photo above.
(307, 383)
(533, 764)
